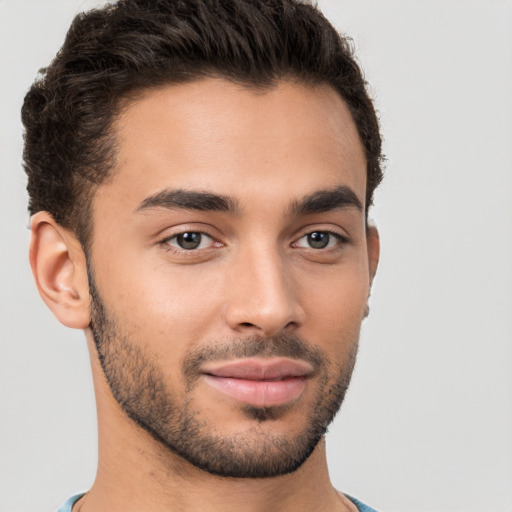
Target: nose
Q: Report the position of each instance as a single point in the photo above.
(262, 295)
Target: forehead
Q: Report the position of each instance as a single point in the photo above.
(213, 135)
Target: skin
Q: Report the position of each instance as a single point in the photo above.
(254, 276)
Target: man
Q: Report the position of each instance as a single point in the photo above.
(200, 175)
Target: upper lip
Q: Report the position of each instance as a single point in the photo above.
(276, 368)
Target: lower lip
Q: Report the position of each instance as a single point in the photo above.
(259, 393)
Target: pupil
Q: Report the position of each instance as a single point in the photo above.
(189, 240)
(318, 240)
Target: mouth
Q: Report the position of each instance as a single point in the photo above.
(260, 382)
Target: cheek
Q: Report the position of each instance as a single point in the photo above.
(348, 295)
(161, 304)
(335, 304)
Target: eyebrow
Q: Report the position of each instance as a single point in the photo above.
(327, 200)
(190, 200)
(317, 202)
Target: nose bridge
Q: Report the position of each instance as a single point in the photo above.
(263, 296)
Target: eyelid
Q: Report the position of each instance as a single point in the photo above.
(175, 236)
(329, 228)
(341, 239)
(180, 230)
(171, 231)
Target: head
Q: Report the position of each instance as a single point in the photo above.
(200, 175)
(111, 54)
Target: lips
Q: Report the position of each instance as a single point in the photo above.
(259, 382)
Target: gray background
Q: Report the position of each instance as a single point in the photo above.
(427, 424)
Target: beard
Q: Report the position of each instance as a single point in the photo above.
(139, 386)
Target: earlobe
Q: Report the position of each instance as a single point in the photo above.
(59, 268)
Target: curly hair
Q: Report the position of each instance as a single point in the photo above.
(112, 52)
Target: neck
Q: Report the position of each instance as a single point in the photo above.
(134, 481)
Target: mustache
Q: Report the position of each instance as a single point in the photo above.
(281, 345)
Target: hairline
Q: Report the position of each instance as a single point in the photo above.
(84, 233)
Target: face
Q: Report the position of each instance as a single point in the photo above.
(229, 270)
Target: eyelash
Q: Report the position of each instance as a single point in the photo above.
(186, 252)
(341, 239)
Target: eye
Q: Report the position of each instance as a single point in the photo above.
(319, 240)
(190, 240)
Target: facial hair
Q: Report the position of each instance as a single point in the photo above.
(138, 384)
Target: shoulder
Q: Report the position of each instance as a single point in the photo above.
(354, 504)
(361, 507)
(69, 503)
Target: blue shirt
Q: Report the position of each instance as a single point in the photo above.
(69, 504)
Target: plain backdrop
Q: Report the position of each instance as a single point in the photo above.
(427, 424)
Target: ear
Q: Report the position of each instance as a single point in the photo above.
(59, 267)
(373, 245)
